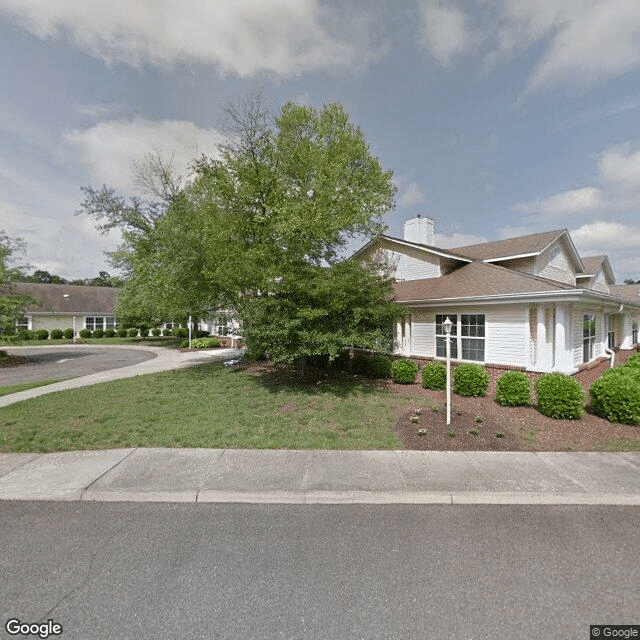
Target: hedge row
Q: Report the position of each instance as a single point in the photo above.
(616, 394)
(56, 334)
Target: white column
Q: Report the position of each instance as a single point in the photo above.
(397, 338)
(407, 335)
(541, 340)
(563, 355)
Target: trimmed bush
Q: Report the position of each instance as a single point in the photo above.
(181, 332)
(110, 333)
(98, 333)
(434, 375)
(144, 331)
(84, 333)
(513, 389)
(470, 380)
(167, 332)
(633, 361)
(616, 395)
(377, 366)
(42, 334)
(24, 335)
(205, 343)
(155, 332)
(184, 344)
(404, 371)
(121, 332)
(56, 334)
(68, 334)
(559, 396)
(132, 333)
(199, 333)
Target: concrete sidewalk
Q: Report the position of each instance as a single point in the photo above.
(164, 360)
(323, 477)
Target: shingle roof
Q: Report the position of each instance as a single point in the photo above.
(523, 245)
(87, 300)
(592, 264)
(629, 292)
(476, 279)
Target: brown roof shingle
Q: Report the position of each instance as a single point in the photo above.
(523, 245)
(81, 299)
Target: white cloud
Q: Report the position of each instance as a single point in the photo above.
(621, 166)
(444, 31)
(109, 149)
(412, 195)
(572, 202)
(602, 236)
(244, 38)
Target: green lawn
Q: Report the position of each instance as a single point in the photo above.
(204, 406)
(23, 386)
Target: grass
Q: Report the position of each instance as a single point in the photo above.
(204, 406)
(14, 388)
(623, 444)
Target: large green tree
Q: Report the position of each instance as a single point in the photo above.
(12, 303)
(263, 229)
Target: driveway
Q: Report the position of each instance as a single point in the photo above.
(69, 361)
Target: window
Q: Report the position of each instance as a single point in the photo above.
(22, 323)
(441, 343)
(634, 333)
(588, 337)
(99, 322)
(472, 332)
(467, 336)
(221, 325)
(611, 333)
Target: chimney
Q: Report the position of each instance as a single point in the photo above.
(419, 230)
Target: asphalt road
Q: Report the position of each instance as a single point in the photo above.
(122, 571)
(43, 363)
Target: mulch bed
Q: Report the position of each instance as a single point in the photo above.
(521, 428)
(12, 361)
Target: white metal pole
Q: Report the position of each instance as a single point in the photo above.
(448, 379)
(74, 328)
(189, 332)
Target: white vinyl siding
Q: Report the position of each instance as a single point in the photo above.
(506, 339)
(600, 283)
(525, 265)
(577, 334)
(409, 263)
(553, 264)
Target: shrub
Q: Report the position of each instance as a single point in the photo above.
(199, 333)
(404, 371)
(513, 389)
(434, 375)
(559, 396)
(25, 334)
(204, 343)
(616, 395)
(110, 333)
(167, 332)
(98, 333)
(155, 332)
(56, 334)
(377, 366)
(470, 380)
(68, 334)
(121, 332)
(84, 333)
(42, 334)
(633, 361)
(181, 332)
(132, 333)
(341, 362)
(144, 331)
(184, 344)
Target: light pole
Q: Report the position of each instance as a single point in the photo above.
(66, 296)
(446, 325)
(189, 332)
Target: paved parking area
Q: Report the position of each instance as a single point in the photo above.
(67, 361)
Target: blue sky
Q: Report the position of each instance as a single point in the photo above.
(497, 117)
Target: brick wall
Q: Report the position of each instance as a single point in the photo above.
(588, 373)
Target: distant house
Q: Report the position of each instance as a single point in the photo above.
(92, 307)
(530, 303)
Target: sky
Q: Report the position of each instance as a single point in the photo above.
(497, 117)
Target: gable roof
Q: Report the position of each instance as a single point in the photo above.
(444, 253)
(480, 280)
(476, 280)
(591, 266)
(80, 300)
(629, 292)
(522, 247)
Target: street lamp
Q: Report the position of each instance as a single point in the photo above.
(446, 325)
(66, 296)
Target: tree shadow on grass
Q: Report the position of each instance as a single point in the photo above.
(282, 378)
